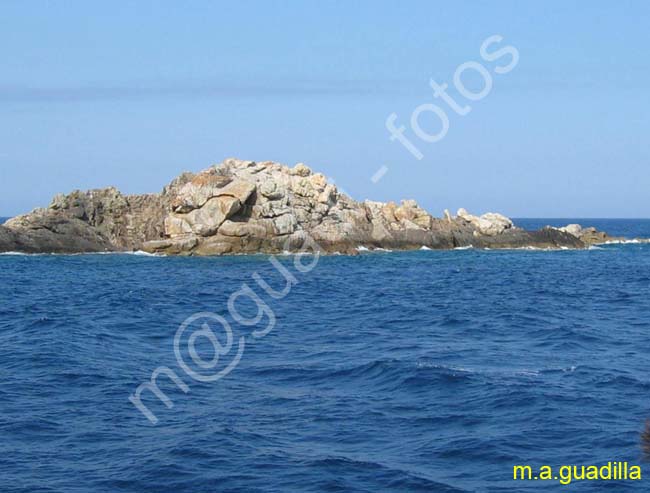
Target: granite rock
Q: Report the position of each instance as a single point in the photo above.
(247, 207)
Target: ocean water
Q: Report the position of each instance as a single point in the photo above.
(432, 371)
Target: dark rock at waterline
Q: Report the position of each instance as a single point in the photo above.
(52, 233)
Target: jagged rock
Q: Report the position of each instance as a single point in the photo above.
(201, 205)
(410, 214)
(198, 191)
(177, 246)
(591, 236)
(10, 241)
(301, 170)
(51, 231)
(489, 224)
(588, 236)
(271, 191)
(245, 207)
(217, 245)
(574, 229)
(177, 226)
(260, 229)
(205, 221)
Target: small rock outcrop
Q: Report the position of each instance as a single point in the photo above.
(489, 224)
(589, 236)
(248, 207)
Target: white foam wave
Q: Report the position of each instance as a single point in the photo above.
(634, 241)
(362, 248)
(287, 253)
(136, 252)
(530, 248)
(488, 372)
(438, 366)
(145, 254)
(423, 247)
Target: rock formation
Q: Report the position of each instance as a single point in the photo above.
(589, 236)
(248, 207)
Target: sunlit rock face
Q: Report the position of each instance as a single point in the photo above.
(247, 207)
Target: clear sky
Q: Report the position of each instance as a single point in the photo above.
(131, 93)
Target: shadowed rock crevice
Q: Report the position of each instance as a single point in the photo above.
(249, 207)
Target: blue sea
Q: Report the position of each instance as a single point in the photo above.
(425, 371)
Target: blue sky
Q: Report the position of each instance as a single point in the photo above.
(132, 93)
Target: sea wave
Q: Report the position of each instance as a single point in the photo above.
(362, 248)
(145, 254)
(633, 241)
(139, 253)
(429, 355)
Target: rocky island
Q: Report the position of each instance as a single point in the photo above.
(251, 207)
